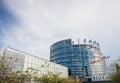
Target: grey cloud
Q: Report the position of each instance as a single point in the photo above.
(47, 21)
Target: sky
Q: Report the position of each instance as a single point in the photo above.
(33, 26)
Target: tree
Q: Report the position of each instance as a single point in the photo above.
(9, 75)
(116, 76)
(6, 66)
(54, 78)
(117, 67)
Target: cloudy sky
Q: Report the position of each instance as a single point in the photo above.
(34, 25)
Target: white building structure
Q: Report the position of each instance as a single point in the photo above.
(98, 69)
(28, 60)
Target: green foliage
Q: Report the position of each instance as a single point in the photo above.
(30, 75)
(8, 75)
(116, 76)
(117, 67)
(52, 78)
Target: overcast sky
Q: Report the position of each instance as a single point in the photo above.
(33, 26)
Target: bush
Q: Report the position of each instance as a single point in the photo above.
(8, 75)
(116, 76)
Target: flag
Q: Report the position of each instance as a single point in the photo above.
(84, 40)
(90, 41)
(94, 42)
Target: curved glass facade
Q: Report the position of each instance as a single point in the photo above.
(76, 58)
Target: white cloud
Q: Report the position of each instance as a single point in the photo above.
(47, 21)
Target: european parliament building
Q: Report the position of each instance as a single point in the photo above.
(77, 58)
(26, 60)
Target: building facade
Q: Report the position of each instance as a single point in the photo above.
(77, 58)
(30, 61)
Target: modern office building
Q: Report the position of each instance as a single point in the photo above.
(27, 60)
(77, 58)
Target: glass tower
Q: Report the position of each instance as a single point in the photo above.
(77, 58)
